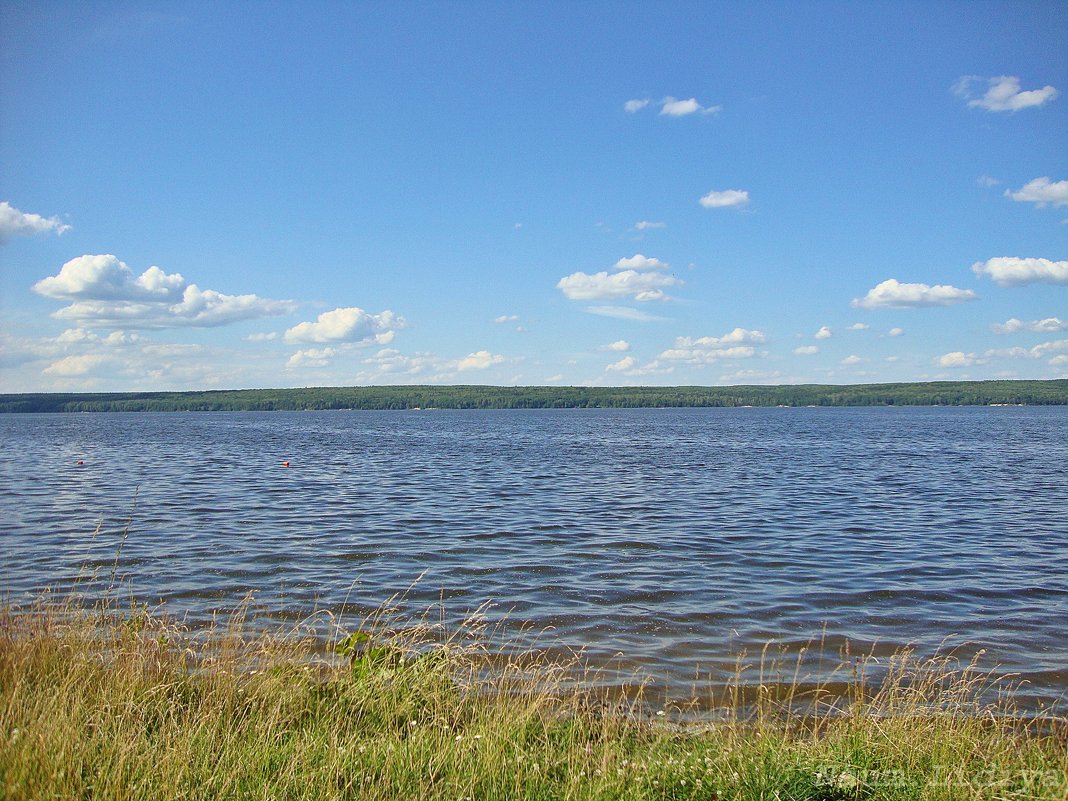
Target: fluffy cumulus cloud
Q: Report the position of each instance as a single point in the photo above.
(957, 359)
(672, 107)
(1003, 93)
(735, 337)
(892, 294)
(853, 360)
(312, 357)
(79, 365)
(806, 350)
(104, 277)
(823, 333)
(104, 292)
(390, 366)
(1052, 350)
(725, 198)
(20, 223)
(1048, 325)
(348, 324)
(633, 284)
(479, 360)
(624, 364)
(1042, 192)
(640, 262)
(859, 327)
(84, 359)
(397, 367)
(1011, 271)
(620, 345)
(736, 344)
(506, 318)
(895, 332)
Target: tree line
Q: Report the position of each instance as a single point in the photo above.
(937, 393)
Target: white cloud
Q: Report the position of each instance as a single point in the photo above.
(647, 225)
(1048, 325)
(1042, 192)
(859, 327)
(895, 332)
(81, 359)
(623, 313)
(479, 360)
(891, 294)
(736, 344)
(348, 324)
(1046, 348)
(737, 336)
(823, 333)
(506, 318)
(852, 360)
(1053, 348)
(626, 363)
(391, 366)
(1003, 93)
(631, 106)
(76, 365)
(619, 345)
(725, 198)
(640, 286)
(262, 337)
(392, 363)
(806, 350)
(672, 107)
(640, 262)
(958, 359)
(707, 355)
(312, 357)
(106, 294)
(1011, 271)
(20, 223)
(104, 277)
(986, 181)
(119, 338)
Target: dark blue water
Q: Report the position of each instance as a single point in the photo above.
(674, 537)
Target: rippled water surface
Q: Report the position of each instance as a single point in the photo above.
(676, 537)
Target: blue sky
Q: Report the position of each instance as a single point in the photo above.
(221, 195)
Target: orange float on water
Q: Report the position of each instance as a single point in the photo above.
(285, 464)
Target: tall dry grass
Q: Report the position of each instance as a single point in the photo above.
(108, 703)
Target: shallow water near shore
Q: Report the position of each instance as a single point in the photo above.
(661, 540)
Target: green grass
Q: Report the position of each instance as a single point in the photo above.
(125, 705)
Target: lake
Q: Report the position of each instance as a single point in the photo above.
(665, 540)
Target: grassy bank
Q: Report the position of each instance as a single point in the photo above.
(95, 704)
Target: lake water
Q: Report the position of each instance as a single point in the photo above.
(668, 540)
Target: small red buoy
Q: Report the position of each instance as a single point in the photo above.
(285, 464)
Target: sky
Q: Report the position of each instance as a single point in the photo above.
(239, 195)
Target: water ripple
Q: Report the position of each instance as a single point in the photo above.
(677, 537)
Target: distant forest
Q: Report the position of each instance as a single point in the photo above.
(938, 393)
